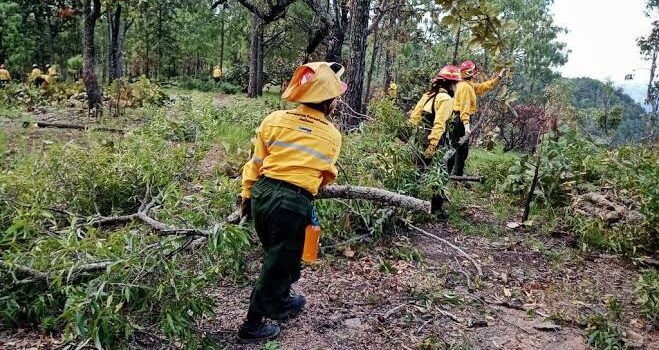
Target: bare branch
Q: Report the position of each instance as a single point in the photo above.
(456, 248)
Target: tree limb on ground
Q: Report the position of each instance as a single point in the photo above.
(197, 237)
(74, 274)
(375, 194)
(467, 178)
(45, 124)
(456, 248)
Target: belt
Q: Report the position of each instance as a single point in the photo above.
(290, 186)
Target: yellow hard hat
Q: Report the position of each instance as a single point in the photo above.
(316, 82)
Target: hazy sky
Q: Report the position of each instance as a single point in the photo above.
(602, 36)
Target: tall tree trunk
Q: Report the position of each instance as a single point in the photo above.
(456, 48)
(388, 67)
(357, 60)
(313, 44)
(255, 87)
(371, 68)
(222, 37)
(335, 45)
(652, 98)
(92, 11)
(116, 41)
(159, 36)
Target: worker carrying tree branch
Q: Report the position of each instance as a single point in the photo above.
(465, 106)
(432, 112)
(5, 77)
(295, 153)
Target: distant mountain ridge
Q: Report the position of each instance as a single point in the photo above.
(590, 93)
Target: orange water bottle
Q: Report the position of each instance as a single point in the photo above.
(311, 239)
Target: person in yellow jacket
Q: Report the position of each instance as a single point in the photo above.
(465, 106)
(36, 76)
(217, 73)
(52, 75)
(5, 77)
(393, 90)
(431, 113)
(295, 152)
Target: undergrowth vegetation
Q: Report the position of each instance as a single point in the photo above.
(104, 285)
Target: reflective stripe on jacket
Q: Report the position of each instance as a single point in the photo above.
(466, 101)
(299, 146)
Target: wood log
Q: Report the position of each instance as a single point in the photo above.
(58, 125)
(375, 194)
(467, 178)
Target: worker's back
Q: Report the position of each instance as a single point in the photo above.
(4, 75)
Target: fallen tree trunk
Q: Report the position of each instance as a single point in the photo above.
(375, 194)
(467, 178)
(359, 192)
(45, 124)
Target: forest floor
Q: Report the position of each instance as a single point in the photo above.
(407, 291)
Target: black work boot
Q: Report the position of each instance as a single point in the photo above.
(257, 331)
(437, 207)
(290, 307)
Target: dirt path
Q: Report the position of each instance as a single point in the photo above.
(376, 300)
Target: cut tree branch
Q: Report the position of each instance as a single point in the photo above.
(45, 124)
(467, 178)
(39, 276)
(456, 248)
(375, 194)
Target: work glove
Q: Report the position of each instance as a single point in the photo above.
(246, 209)
(465, 139)
(430, 151)
(503, 72)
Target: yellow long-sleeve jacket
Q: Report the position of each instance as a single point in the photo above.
(299, 146)
(443, 111)
(217, 72)
(52, 71)
(466, 97)
(4, 75)
(36, 72)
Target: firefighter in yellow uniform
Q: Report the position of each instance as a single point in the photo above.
(431, 113)
(52, 75)
(393, 90)
(466, 105)
(217, 73)
(5, 77)
(35, 76)
(295, 153)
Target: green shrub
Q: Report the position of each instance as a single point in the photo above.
(647, 291)
(229, 88)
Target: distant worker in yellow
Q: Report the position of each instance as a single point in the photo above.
(5, 77)
(393, 90)
(52, 73)
(295, 155)
(431, 113)
(36, 76)
(465, 106)
(217, 73)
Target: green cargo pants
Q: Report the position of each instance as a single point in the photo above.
(456, 164)
(281, 212)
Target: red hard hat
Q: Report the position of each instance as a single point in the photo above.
(468, 69)
(449, 72)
